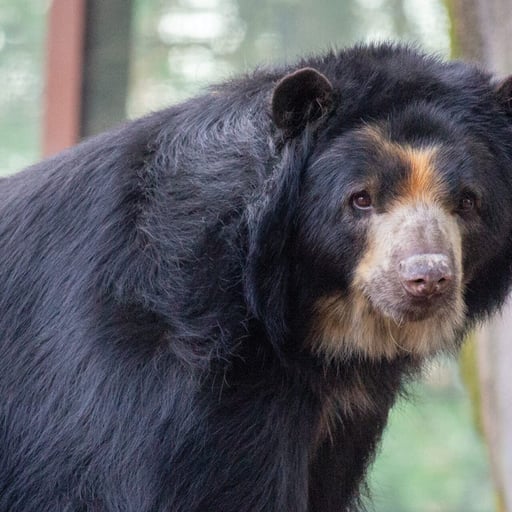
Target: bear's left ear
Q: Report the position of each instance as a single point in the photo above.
(504, 93)
(300, 98)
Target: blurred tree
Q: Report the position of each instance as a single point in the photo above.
(106, 64)
(481, 31)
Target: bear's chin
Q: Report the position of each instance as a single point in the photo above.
(418, 309)
(355, 326)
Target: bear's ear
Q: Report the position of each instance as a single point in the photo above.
(504, 93)
(300, 98)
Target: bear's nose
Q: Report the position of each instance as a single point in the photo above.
(425, 275)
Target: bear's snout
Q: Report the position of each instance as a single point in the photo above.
(426, 275)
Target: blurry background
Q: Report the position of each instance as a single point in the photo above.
(432, 458)
(178, 46)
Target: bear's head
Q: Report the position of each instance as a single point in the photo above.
(386, 228)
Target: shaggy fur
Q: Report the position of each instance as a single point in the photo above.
(166, 287)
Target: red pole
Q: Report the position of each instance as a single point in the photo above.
(64, 68)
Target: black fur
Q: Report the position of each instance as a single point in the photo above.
(157, 284)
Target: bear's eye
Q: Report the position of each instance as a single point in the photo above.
(467, 202)
(362, 200)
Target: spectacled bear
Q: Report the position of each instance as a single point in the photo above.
(213, 308)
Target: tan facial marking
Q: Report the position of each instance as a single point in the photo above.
(423, 183)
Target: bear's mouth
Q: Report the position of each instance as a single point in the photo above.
(419, 309)
(395, 303)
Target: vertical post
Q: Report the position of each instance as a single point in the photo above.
(88, 54)
(62, 99)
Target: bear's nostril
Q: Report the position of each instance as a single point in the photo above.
(424, 275)
(426, 286)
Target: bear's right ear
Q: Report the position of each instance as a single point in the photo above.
(300, 98)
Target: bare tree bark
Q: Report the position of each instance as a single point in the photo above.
(482, 31)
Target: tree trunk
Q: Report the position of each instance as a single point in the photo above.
(482, 31)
